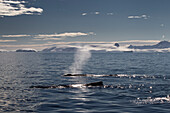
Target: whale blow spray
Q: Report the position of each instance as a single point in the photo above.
(81, 57)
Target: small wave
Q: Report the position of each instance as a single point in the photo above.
(156, 100)
(141, 76)
(135, 75)
(100, 75)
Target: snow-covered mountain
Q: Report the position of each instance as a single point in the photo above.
(60, 49)
(160, 45)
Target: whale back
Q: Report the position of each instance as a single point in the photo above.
(95, 84)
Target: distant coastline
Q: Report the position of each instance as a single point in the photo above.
(160, 45)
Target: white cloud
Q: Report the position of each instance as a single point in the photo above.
(38, 38)
(46, 45)
(109, 13)
(16, 35)
(59, 36)
(14, 8)
(84, 14)
(7, 40)
(138, 17)
(34, 46)
(96, 13)
(139, 41)
(62, 35)
(162, 25)
(12, 2)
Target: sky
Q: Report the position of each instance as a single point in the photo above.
(39, 24)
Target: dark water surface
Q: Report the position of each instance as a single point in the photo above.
(142, 84)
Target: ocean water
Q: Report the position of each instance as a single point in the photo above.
(142, 84)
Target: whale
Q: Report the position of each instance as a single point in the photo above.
(77, 75)
(93, 84)
(74, 75)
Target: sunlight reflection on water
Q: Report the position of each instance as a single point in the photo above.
(142, 83)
